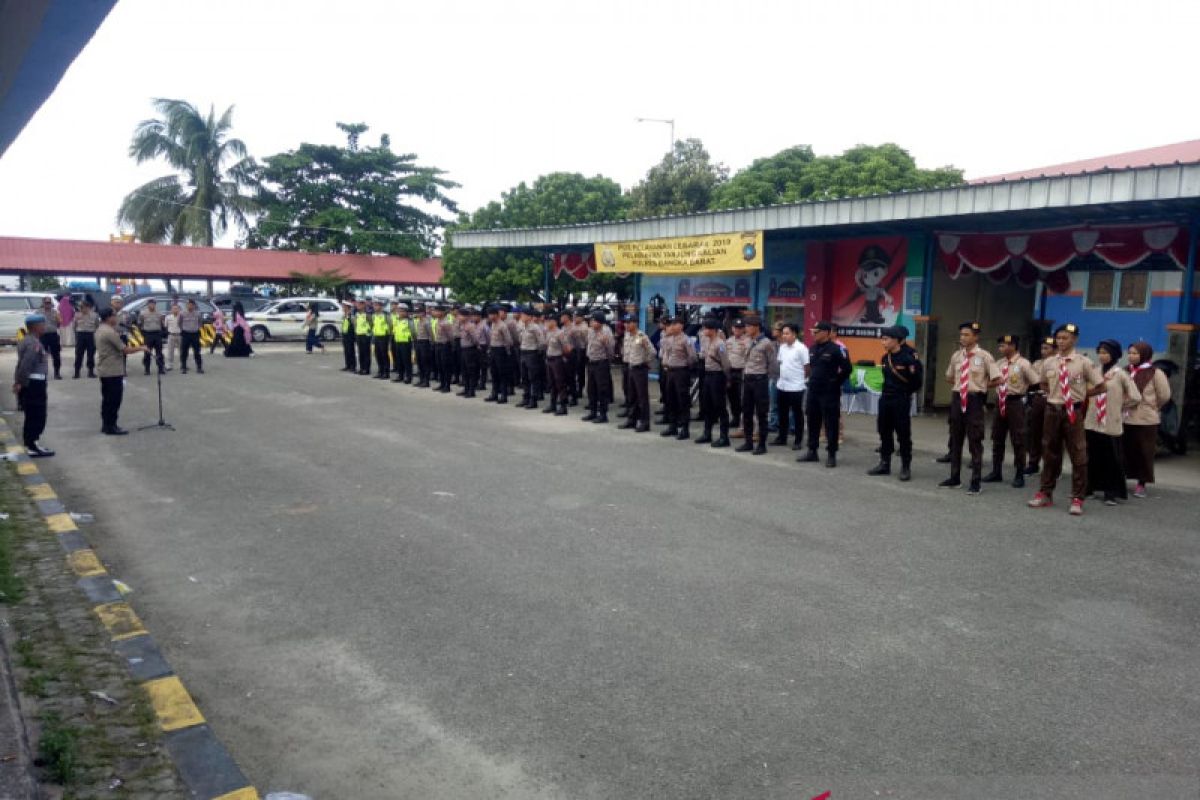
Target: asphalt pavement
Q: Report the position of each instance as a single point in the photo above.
(376, 591)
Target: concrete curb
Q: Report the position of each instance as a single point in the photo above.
(207, 769)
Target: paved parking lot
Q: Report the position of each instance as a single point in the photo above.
(379, 592)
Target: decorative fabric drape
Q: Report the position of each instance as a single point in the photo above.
(577, 263)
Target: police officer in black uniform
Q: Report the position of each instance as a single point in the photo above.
(902, 378)
(830, 369)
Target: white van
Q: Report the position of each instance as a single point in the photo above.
(14, 307)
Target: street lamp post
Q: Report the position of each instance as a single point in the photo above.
(671, 122)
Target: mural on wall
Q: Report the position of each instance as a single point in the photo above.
(785, 292)
(868, 284)
(714, 290)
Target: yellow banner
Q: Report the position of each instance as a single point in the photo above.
(722, 252)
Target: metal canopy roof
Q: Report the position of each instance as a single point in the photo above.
(1157, 192)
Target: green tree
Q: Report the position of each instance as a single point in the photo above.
(796, 174)
(683, 182)
(560, 198)
(196, 205)
(332, 199)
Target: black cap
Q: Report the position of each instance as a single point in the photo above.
(898, 332)
(711, 323)
(629, 318)
(751, 319)
(971, 326)
(597, 316)
(1008, 338)
(739, 323)
(105, 313)
(1048, 341)
(823, 325)
(1069, 327)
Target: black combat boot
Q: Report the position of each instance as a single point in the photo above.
(602, 417)
(762, 445)
(996, 475)
(561, 409)
(905, 471)
(706, 437)
(810, 457)
(591, 415)
(684, 434)
(1018, 481)
(951, 482)
(670, 431)
(884, 467)
(831, 460)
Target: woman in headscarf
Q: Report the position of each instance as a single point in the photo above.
(239, 346)
(1141, 426)
(1102, 425)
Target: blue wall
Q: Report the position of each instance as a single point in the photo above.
(1124, 326)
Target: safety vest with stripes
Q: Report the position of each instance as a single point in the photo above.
(381, 325)
(362, 325)
(402, 330)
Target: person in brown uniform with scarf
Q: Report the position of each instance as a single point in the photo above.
(1141, 426)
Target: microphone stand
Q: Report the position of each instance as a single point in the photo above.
(162, 424)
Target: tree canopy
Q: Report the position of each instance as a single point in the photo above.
(197, 205)
(796, 174)
(684, 181)
(560, 198)
(333, 199)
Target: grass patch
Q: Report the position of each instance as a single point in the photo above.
(12, 588)
(58, 748)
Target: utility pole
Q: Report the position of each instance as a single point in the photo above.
(670, 122)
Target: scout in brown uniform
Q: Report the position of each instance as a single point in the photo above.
(677, 356)
(558, 350)
(761, 362)
(712, 389)
(1103, 427)
(1036, 416)
(1070, 380)
(1141, 426)
(1016, 376)
(599, 376)
(970, 373)
(736, 348)
(637, 352)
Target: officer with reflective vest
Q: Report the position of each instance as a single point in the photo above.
(404, 331)
(348, 337)
(362, 336)
(381, 334)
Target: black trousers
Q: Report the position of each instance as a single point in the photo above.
(1010, 425)
(364, 353)
(348, 354)
(679, 396)
(712, 402)
(441, 356)
(402, 360)
(154, 344)
(791, 413)
(190, 340)
(34, 402)
(456, 364)
(823, 408)
(556, 372)
(481, 378)
(500, 372)
(735, 394)
(626, 392)
(382, 356)
(894, 423)
(756, 403)
(85, 343)
(532, 373)
(424, 360)
(967, 425)
(579, 378)
(514, 369)
(53, 345)
(599, 385)
(639, 393)
(112, 390)
(470, 369)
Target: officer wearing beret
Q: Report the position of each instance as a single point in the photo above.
(903, 377)
(30, 385)
(971, 372)
(829, 370)
(1008, 421)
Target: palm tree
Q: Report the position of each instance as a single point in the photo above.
(197, 205)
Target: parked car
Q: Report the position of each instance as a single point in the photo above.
(250, 302)
(14, 307)
(284, 319)
(163, 302)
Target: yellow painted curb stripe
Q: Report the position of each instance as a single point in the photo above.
(61, 523)
(41, 491)
(85, 564)
(27, 468)
(173, 704)
(16, 448)
(120, 620)
(248, 793)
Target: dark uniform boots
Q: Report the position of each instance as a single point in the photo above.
(884, 467)
(905, 471)
(706, 437)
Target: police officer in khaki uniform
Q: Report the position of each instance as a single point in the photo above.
(637, 352)
(599, 375)
(736, 347)
(558, 350)
(714, 384)
(1008, 421)
(677, 357)
(1070, 379)
(762, 362)
(971, 372)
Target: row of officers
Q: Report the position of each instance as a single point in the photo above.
(1102, 416)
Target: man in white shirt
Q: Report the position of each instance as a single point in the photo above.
(793, 380)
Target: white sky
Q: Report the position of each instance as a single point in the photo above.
(497, 93)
